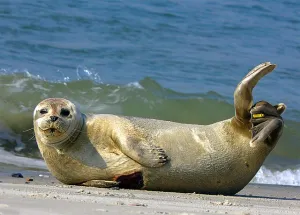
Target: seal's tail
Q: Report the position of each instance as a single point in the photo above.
(243, 99)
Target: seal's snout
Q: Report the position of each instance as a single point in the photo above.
(53, 118)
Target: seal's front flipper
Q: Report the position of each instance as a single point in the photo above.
(243, 99)
(100, 184)
(267, 124)
(144, 152)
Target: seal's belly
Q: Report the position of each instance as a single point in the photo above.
(203, 159)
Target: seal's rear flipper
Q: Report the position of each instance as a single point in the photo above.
(267, 124)
(243, 99)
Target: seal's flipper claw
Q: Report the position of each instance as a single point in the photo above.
(243, 99)
(100, 184)
(144, 153)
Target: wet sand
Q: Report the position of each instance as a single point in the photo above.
(45, 195)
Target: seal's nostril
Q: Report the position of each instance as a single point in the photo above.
(53, 118)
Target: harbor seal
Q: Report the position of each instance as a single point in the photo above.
(105, 150)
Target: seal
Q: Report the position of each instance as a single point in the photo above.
(105, 150)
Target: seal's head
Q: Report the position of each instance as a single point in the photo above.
(57, 122)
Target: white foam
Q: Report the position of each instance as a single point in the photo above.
(84, 73)
(135, 85)
(285, 177)
(40, 88)
(32, 76)
(9, 158)
(3, 71)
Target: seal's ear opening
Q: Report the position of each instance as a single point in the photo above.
(267, 124)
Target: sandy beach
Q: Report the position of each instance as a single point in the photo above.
(39, 193)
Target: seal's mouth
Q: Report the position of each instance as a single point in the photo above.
(50, 132)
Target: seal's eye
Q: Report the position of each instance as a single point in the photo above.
(43, 111)
(64, 112)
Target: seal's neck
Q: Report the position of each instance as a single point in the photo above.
(65, 144)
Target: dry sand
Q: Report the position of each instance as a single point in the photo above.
(45, 195)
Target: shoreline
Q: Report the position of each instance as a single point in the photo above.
(45, 195)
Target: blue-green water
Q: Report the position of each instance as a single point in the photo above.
(173, 60)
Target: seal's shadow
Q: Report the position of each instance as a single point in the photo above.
(268, 197)
(269, 191)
